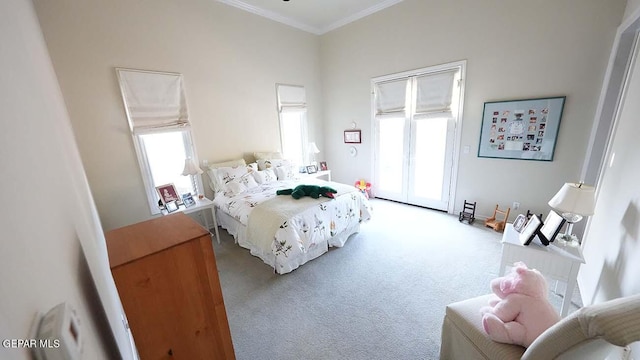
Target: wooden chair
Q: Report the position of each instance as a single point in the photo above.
(468, 213)
(494, 222)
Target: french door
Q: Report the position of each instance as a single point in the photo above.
(415, 118)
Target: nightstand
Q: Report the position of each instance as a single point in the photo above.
(201, 204)
(555, 261)
(318, 174)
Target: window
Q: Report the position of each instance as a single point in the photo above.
(161, 156)
(292, 107)
(156, 110)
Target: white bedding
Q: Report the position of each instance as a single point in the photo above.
(301, 231)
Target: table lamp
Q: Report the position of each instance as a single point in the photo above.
(573, 202)
(313, 149)
(190, 169)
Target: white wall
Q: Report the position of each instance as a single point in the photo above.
(632, 5)
(514, 49)
(612, 245)
(231, 61)
(48, 216)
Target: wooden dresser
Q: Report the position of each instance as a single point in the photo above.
(166, 275)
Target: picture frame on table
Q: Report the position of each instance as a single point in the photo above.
(551, 227)
(168, 193)
(524, 129)
(188, 200)
(323, 166)
(519, 223)
(312, 169)
(352, 136)
(530, 230)
(171, 206)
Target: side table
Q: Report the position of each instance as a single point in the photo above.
(318, 174)
(201, 204)
(557, 262)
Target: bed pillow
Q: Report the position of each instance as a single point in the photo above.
(225, 175)
(252, 167)
(213, 173)
(267, 155)
(230, 163)
(234, 188)
(264, 164)
(264, 176)
(285, 172)
(248, 180)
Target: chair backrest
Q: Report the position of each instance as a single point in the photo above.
(590, 329)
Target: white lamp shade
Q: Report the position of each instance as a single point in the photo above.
(313, 148)
(574, 198)
(190, 168)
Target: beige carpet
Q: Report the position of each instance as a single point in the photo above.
(381, 296)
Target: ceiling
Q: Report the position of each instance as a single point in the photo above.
(314, 16)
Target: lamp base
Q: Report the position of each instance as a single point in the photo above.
(567, 240)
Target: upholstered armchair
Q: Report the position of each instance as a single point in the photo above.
(591, 332)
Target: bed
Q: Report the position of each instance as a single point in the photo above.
(282, 231)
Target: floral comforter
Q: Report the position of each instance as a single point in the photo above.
(285, 232)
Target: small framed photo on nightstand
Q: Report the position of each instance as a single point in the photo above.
(323, 166)
(187, 200)
(167, 193)
(171, 206)
(312, 169)
(530, 230)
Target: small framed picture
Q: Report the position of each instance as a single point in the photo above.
(352, 136)
(171, 206)
(552, 225)
(311, 169)
(167, 193)
(187, 200)
(323, 166)
(519, 222)
(530, 230)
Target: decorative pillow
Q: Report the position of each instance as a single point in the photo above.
(267, 155)
(285, 172)
(272, 163)
(252, 167)
(264, 176)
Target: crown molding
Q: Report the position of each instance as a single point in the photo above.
(296, 24)
(359, 15)
(271, 15)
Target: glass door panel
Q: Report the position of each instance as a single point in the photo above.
(429, 178)
(391, 159)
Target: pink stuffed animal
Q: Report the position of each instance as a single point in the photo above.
(522, 311)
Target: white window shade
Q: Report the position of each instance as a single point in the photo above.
(434, 94)
(153, 100)
(391, 97)
(291, 98)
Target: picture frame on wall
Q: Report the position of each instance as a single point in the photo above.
(352, 137)
(521, 129)
(167, 193)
